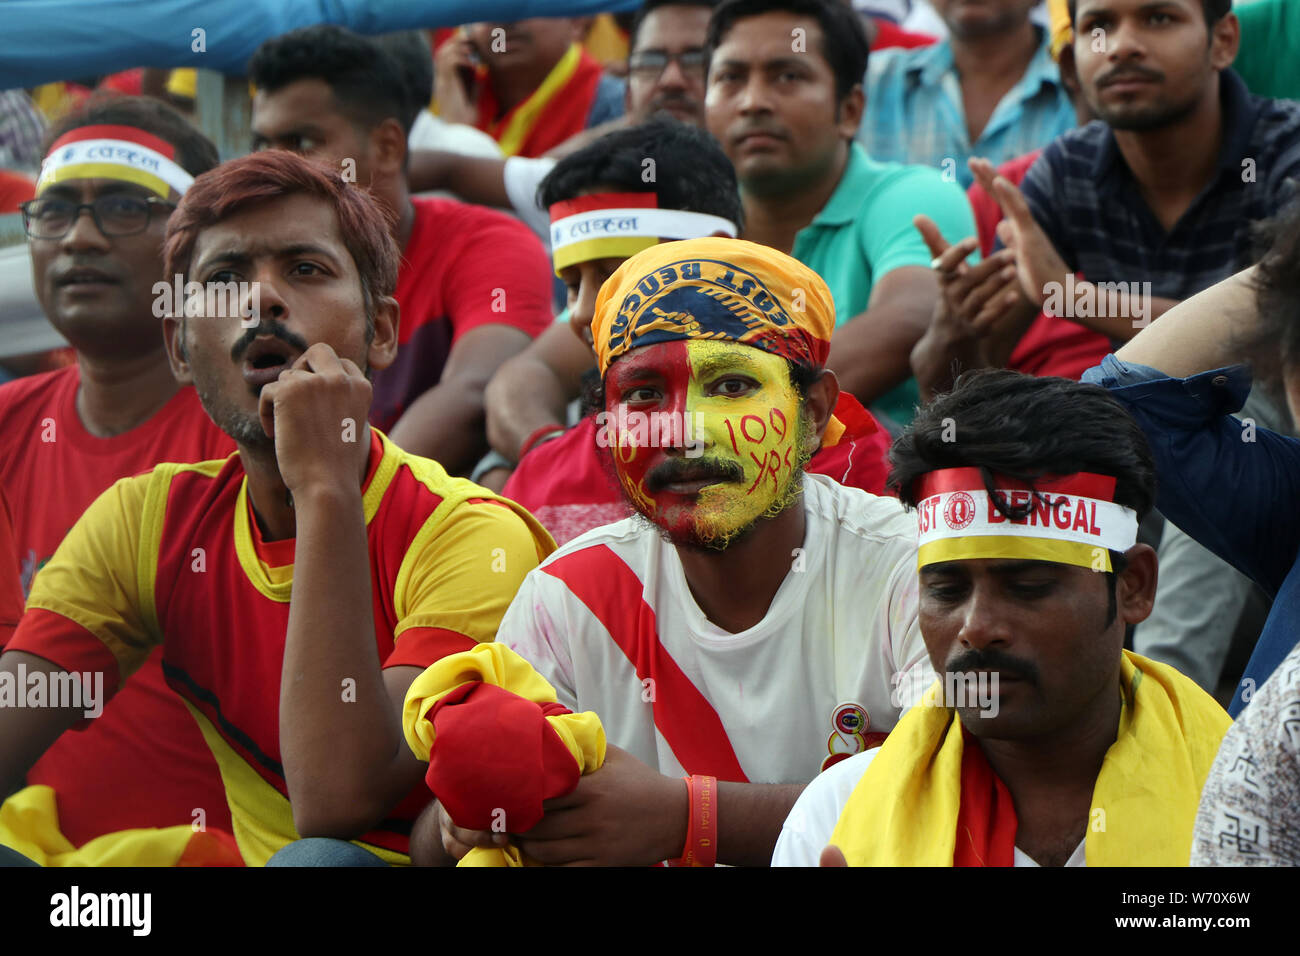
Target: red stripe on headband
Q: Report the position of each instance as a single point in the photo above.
(571, 207)
(1082, 484)
(128, 133)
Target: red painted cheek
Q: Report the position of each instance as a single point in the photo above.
(669, 362)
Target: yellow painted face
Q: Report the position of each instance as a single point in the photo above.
(707, 436)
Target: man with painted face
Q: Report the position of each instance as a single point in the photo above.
(566, 478)
(751, 624)
(1045, 743)
(299, 585)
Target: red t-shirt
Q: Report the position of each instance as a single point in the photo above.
(143, 762)
(1051, 345)
(464, 266)
(568, 482)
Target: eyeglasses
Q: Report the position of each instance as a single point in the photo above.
(115, 215)
(650, 64)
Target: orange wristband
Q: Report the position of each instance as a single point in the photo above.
(701, 847)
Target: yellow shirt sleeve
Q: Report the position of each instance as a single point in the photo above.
(461, 572)
(93, 578)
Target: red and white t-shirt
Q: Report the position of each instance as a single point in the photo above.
(610, 622)
(463, 266)
(143, 762)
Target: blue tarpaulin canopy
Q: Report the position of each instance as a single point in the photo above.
(42, 41)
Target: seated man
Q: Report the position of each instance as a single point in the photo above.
(701, 646)
(666, 67)
(1046, 743)
(473, 283)
(784, 100)
(528, 83)
(300, 585)
(566, 479)
(988, 89)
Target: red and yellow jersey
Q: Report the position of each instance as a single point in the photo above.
(174, 558)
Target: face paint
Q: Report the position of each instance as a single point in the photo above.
(737, 403)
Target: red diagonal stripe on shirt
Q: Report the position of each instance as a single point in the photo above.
(601, 580)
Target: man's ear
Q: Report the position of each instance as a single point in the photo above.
(1135, 586)
(383, 345)
(177, 351)
(848, 114)
(388, 148)
(1225, 40)
(822, 396)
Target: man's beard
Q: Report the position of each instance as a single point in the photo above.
(1153, 116)
(719, 539)
(245, 430)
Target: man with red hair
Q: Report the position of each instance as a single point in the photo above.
(298, 586)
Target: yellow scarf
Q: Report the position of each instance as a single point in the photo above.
(29, 823)
(495, 664)
(903, 811)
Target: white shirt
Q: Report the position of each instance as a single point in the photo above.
(840, 637)
(521, 176)
(434, 132)
(812, 820)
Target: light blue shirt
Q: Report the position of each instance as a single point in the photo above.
(915, 114)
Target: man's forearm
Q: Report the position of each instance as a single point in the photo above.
(478, 179)
(446, 424)
(871, 353)
(1199, 333)
(340, 742)
(523, 396)
(750, 817)
(27, 732)
(1125, 314)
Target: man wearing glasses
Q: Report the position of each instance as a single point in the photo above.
(113, 173)
(667, 64)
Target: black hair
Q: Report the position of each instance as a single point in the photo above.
(367, 80)
(410, 50)
(844, 40)
(689, 170)
(1213, 10)
(650, 6)
(1027, 428)
(195, 153)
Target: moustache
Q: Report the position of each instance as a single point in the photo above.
(694, 469)
(272, 329)
(1130, 73)
(991, 660)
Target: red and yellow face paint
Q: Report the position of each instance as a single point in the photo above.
(740, 445)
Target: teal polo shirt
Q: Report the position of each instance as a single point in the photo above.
(865, 231)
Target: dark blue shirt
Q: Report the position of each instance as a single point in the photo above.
(1086, 199)
(1234, 488)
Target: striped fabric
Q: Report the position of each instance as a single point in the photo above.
(1087, 201)
(611, 623)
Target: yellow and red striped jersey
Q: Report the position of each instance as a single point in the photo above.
(173, 557)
